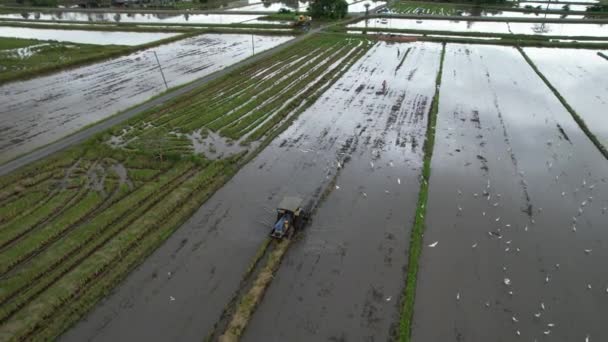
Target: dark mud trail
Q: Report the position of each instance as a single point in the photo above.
(343, 279)
(517, 204)
(580, 76)
(38, 111)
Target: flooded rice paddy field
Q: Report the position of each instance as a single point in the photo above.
(554, 6)
(137, 18)
(36, 112)
(84, 37)
(300, 161)
(353, 6)
(345, 274)
(359, 6)
(273, 6)
(580, 77)
(515, 241)
(590, 30)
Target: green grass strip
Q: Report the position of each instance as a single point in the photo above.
(409, 295)
(82, 241)
(26, 223)
(33, 243)
(579, 120)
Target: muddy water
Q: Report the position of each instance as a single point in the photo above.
(36, 112)
(207, 257)
(553, 6)
(510, 172)
(530, 15)
(580, 77)
(359, 6)
(343, 279)
(272, 6)
(140, 18)
(591, 30)
(84, 37)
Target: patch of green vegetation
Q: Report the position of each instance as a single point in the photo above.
(42, 57)
(409, 296)
(15, 43)
(291, 16)
(22, 57)
(97, 223)
(579, 120)
(250, 300)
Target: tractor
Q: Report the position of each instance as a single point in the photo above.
(290, 217)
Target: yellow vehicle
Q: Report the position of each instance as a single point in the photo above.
(302, 20)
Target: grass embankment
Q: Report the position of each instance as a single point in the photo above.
(99, 210)
(579, 120)
(58, 56)
(409, 295)
(252, 298)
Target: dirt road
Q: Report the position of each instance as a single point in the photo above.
(343, 280)
(36, 112)
(517, 206)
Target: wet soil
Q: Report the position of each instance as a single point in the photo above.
(554, 29)
(38, 111)
(516, 205)
(580, 77)
(346, 273)
(202, 264)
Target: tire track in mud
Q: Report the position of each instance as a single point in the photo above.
(512, 250)
(346, 271)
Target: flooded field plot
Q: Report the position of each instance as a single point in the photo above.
(346, 272)
(273, 6)
(590, 30)
(580, 77)
(138, 18)
(25, 57)
(451, 10)
(515, 240)
(36, 112)
(359, 6)
(84, 37)
(237, 217)
(554, 6)
(99, 208)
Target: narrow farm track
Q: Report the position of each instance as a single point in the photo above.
(346, 273)
(514, 246)
(200, 246)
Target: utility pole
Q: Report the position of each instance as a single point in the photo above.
(366, 17)
(252, 46)
(161, 69)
